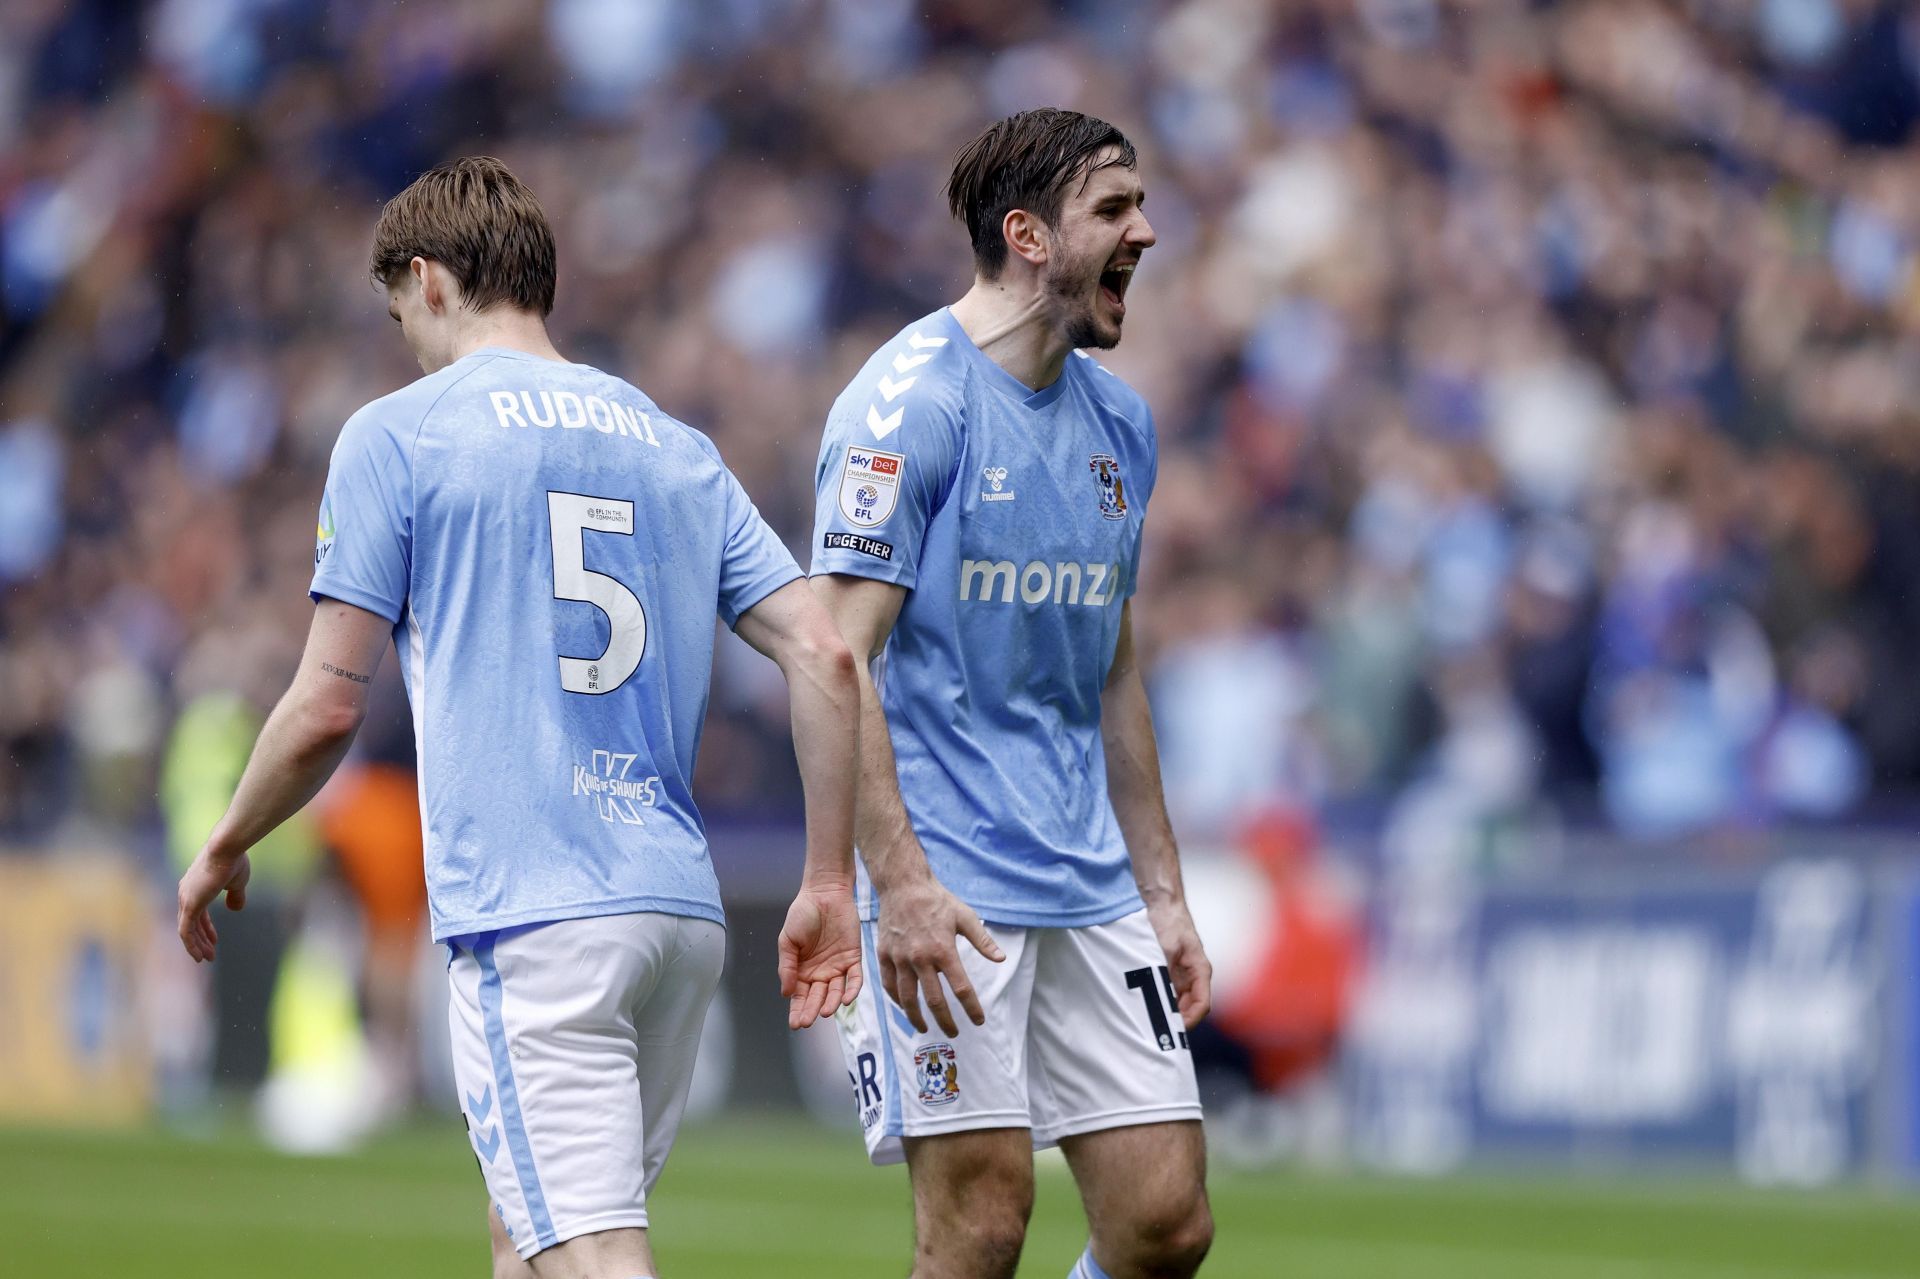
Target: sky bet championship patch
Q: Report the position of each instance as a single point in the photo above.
(864, 545)
(870, 486)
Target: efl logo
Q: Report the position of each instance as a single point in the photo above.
(870, 486)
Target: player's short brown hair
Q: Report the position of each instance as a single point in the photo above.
(475, 218)
(1027, 161)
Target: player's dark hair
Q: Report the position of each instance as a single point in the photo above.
(475, 218)
(1027, 161)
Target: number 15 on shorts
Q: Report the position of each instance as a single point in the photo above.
(1143, 980)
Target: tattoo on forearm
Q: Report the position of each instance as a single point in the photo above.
(331, 669)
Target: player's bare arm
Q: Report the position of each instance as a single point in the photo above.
(1140, 805)
(302, 743)
(919, 918)
(820, 944)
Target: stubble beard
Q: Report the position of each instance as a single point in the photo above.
(1084, 332)
(1074, 296)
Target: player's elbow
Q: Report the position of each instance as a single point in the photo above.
(831, 660)
(331, 722)
(819, 654)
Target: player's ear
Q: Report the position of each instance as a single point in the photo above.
(1027, 236)
(423, 278)
(438, 287)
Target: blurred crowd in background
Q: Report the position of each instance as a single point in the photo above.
(1535, 382)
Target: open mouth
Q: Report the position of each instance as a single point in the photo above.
(1113, 284)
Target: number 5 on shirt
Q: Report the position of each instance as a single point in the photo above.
(569, 515)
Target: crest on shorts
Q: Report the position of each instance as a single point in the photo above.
(938, 1070)
(870, 485)
(1113, 490)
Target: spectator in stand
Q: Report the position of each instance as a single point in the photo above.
(1545, 369)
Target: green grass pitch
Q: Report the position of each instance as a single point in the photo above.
(776, 1197)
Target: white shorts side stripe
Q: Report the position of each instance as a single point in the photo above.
(889, 1077)
(491, 999)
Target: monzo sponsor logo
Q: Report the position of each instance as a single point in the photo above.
(1040, 582)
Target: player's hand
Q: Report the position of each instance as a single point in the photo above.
(1187, 961)
(916, 949)
(206, 879)
(819, 954)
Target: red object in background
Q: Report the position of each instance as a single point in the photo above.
(1290, 1015)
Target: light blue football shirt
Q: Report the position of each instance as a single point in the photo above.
(1013, 517)
(552, 550)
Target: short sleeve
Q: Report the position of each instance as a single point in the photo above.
(363, 544)
(874, 498)
(756, 563)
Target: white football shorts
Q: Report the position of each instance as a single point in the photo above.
(573, 1048)
(1082, 1034)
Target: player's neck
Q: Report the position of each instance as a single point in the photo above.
(1013, 328)
(511, 329)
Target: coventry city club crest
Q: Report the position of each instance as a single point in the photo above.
(1113, 491)
(938, 1070)
(870, 485)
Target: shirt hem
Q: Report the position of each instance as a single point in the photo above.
(877, 571)
(457, 928)
(1015, 917)
(755, 596)
(358, 598)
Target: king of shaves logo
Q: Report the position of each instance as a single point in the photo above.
(616, 797)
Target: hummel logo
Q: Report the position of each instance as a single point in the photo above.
(486, 1141)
